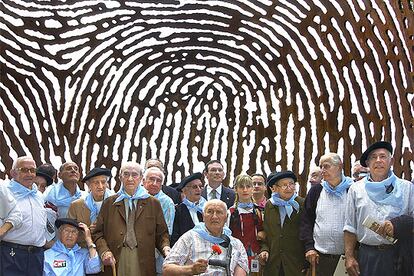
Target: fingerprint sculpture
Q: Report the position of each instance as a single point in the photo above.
(260, 85)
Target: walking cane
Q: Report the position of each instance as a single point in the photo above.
(313, 269)
(113, 269)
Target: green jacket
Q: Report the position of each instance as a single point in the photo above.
(283, 244)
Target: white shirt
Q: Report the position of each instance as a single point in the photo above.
(9, 212)
(218, 192)
(359, 206)
(329, 223)
(33, 228)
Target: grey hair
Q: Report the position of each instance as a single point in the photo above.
(332, 158)
(214, 201)
(131, 164)
(20, 159)
(154, 169)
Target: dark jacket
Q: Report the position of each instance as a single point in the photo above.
(403, 231)
(227, 195)
(182, 222)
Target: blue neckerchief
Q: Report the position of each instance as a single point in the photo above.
(90, 203)
(196, 207)
(19, 191)
(201, 229)
(377, 191)
(140, 193)
(245, 205)
(339, 189)
(61, 248)
(288, 205)
(61, 196)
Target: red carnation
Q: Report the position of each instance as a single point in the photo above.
(216, 249)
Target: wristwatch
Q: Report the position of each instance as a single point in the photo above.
(92, 245)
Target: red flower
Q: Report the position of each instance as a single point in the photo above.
(216, 249)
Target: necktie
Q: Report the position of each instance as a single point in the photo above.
(213, 194)
(130, 239)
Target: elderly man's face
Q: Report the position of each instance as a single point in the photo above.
(331, 172)
(153, 182)
(25, 172)
(214, 217)
(379, 163)
(359, 172)
(285, 187)
(315, 177)
(97, 186)
(130, 178)
(68, 235)
(192, 190)
(70, 172)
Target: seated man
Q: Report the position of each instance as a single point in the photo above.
(191, 253)
(66, 257)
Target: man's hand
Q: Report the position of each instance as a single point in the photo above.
(86, 232)
(312, 257)
(352, 266)
(263, 256)
(166, 250)
(92, 227)
(108, 258)
(200, 266)
(386, 229)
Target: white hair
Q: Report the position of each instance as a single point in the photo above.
(154, 169)
(20, 159)
(131, 164)
(215, 202)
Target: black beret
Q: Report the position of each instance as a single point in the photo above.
(47, 177)
(188, 179)
(60, 221)
(95, 172)
(276, 176)
(376, 145)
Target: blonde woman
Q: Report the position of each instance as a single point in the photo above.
(245, 220)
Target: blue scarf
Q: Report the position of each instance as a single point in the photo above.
(201, 229)
(61, 196)
(19, 191)
(140, 193)
(61, 248)
(245, 205)
(288, 205)
(377, 191)
(196, 207)
(90, 203)
(339, 189)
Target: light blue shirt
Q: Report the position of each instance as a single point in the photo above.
(359, 206)
(60, 264)
(168, 209)
(59, 196)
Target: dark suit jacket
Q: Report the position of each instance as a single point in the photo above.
(172, 193)
(150, 230)
(227, 195)
(182, 222)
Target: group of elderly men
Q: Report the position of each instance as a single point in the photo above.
(131, 232)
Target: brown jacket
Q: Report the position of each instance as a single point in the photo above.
(79, 211)
(150, 230)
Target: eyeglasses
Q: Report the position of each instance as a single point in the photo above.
(284, 187)
(69, 231)
(375, 157)
(26, 170)
(128, 175)
(196, 187)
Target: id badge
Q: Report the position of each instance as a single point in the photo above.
(254, 265)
